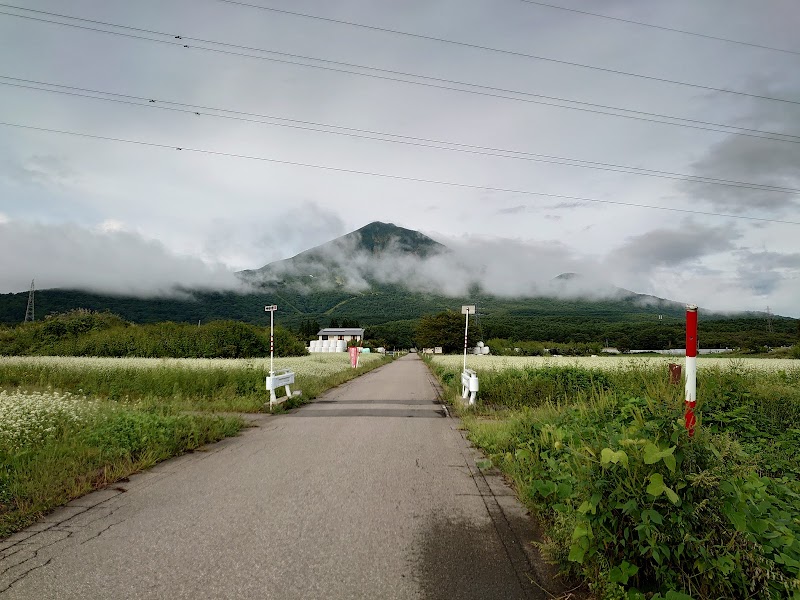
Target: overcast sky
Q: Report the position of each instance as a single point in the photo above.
(133, 218)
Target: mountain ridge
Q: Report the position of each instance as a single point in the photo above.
(389, 307)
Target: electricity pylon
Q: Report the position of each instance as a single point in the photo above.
(29, 315)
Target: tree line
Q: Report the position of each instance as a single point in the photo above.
(86, 333)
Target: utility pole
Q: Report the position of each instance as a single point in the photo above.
(29, 312)
(770, 329)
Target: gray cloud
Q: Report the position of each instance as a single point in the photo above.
(40, 170)
(514, 210)
(276, 234)
(765, 272)
(747, 159)
(70, 256)
(672, 247)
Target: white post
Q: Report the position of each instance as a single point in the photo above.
(271, 343)
(466, 311)
(469, 381)
(466, 329)
(271, 310)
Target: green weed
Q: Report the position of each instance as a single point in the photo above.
(631, 503)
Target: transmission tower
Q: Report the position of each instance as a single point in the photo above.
(29, 315)
(769, 321)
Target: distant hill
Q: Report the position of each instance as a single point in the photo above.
(330, 263)
(347, 278)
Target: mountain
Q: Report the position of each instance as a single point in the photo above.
(386, 277)
(331, 263)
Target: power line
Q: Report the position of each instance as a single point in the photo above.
(391, 176)
(663, 28)
(507, 52)
(598, 108)
(145, 102)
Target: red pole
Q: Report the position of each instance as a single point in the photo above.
(691, 367)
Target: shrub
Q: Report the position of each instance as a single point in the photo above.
(632, 501)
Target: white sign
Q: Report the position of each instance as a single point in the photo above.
(271, 308)
(469, 385)
(468, 310)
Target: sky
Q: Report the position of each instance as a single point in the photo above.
(207, 189)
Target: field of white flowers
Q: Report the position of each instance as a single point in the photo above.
(314, 365)
(29, 419)
(499, 363)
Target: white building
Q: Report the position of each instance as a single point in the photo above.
(345, 334)
(336, 339)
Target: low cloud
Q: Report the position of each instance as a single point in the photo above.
(499, 266)
(279, 233)
(104, 259)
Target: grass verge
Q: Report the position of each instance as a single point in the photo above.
(628, 501)
(62, 447)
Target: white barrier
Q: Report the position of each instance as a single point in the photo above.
(469, 385)
(283, 378)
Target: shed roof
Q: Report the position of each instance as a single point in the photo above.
(342, 331)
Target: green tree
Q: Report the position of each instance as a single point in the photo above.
(445, 329)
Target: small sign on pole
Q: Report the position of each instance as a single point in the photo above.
(353, 350)
(271, 310)
(469, 380)
(285, 377)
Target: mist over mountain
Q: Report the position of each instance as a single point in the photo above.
(386, 277)
(356, 260)
(381, 254)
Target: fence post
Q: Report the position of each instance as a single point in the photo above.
(691, 367)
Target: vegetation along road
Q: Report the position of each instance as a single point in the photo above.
(369, 492)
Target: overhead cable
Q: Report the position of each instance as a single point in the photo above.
(391, 176)
(169, 105)
(663, 28)
(508, 52)
(624, 113)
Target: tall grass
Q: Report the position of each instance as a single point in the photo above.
(81, 455)
(631, 503)
(237, 387)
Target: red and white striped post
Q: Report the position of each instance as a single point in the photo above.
(691, 367)
(271, 310)
(467, 311)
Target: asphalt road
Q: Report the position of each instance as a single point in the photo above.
(369, 492)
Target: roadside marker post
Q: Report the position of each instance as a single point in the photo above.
(469, 385)
(691, 367)
(284, 378)
(469, 379)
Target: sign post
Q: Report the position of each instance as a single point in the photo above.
(691, 367)
(271, 310)
(469, 379)
(283, 379)
(467, 311)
